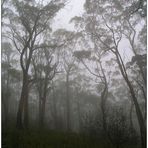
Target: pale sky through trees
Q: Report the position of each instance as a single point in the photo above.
(75, 8)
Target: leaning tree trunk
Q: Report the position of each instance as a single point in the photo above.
(104, 96)
(130, 116)
(140, 117)
(141, 121)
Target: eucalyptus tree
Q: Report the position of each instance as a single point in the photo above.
(30, 20)
(138, 46)
(95, 56)
(101, 77)
(137, 79)
(130, 33)
(108, 31)
(44, 71)
(68, 64)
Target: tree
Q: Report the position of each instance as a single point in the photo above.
(110, 37)
(107, 31)
(68, 64)
(130, 34)
(54, 105)
(33, 21)
(100, 75)
(44, 72)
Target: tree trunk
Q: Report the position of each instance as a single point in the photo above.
(40, 108)
(103, 107)
(78, 109)
(67, 102)
(79, 116)
(104, 96)
(55, 109)
(42, 112)
(26, 112)
(22, 108)
(130, 116)
(42, 101)
(139, 116)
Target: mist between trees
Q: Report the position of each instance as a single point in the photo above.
(74, 88)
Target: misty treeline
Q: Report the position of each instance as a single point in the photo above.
(90, 80)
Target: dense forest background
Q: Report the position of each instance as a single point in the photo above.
(77, 87)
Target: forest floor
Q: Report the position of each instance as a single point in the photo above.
(51, 139)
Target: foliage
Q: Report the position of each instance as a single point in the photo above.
(118, 129)
(82, 54)
(49, 139)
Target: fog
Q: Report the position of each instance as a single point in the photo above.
(73, 74)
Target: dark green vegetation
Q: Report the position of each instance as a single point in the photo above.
(52, 139)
